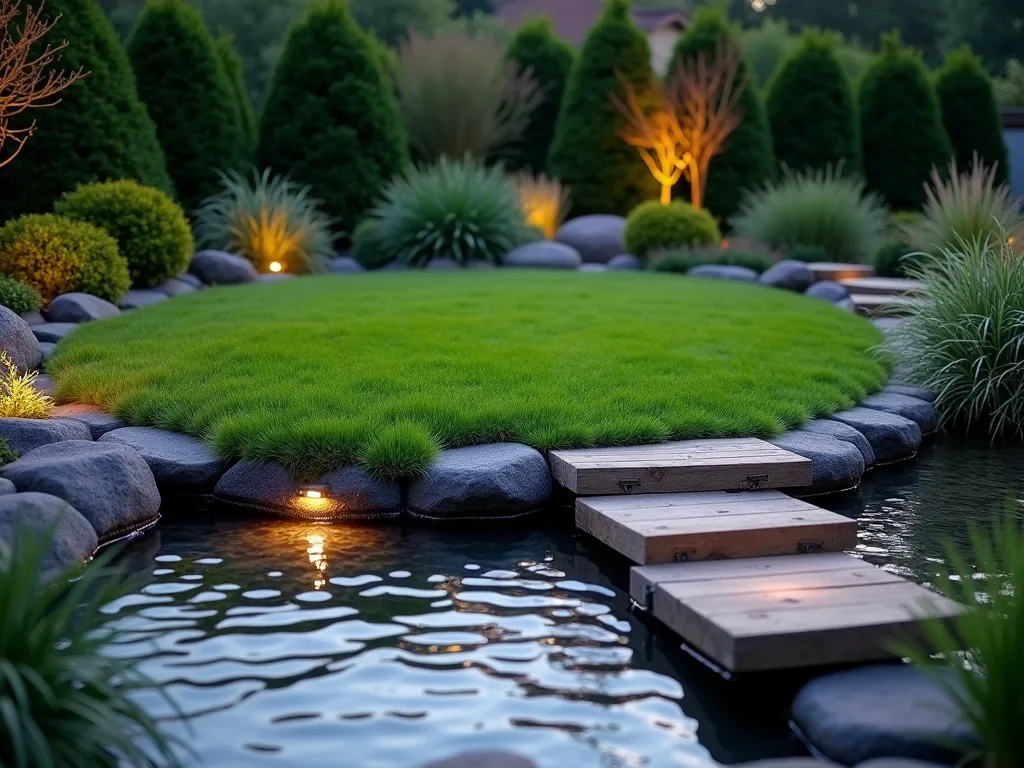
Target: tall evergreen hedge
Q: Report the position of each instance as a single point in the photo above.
(902, 137)
(812, 110)
(748, 160)
(186, 90)
(606, 174)
(536, 47)
(970, 113)
(98, 131)
(330, 118)
(233, 67)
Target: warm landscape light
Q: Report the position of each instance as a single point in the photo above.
(314, 491)
(275, 266)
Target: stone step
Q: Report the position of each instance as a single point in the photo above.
(877, 305)
(884, 286)
(827, 270)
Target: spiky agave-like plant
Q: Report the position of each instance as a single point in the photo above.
(268, 219)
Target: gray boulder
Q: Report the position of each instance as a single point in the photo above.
(176, 287)
(593, 268)
(53, 332)
(34, 317)
(909, 391)
(486, 758)
(7, 487)
(483, 481)
(344, 264)
(846, 304)
(352, 494)
(893, 438)
(46, 347)
(180, 463)
(40, 514)
(43, 384)
(80, 308)
(836, 465)
(625, 261)
(220, 268)
(18, 341)
(24, 435)
(788, 274)
(724, 272)
(96, 421)
(108, 483)
(545, 254)
(880, 711)
(827, 290)
(597, 238)
(140, 299)
(190, 279)
(844, 432)
(919, 411)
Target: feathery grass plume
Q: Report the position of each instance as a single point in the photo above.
(18, 397)
(821, 208)
(969, 204)
(63, 702)
(545, 201)
(984, 682)
(965, 343)
(267, 219)
(459, 96)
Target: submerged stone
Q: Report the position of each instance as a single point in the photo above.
(74, 540)
(919, 411)
(836, 465)
(893, 438)
(180, 463)
(24, 435)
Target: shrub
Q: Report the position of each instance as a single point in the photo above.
(65, 701)
(152, 233)
(55, 255)
(970, 113)
(652, 226)
(19, 398)
(367, 248)
(1010, 89)
(7, 454)
(606, 174)
(183, 83)
(232, 64)
(545, 202)
(808, 253)
(539, 52)
(17, 296)
(893, 258)
(966, 342)
(459, 210)
(685, 260)
(902, 137)
(100, 130)
(748, 160)
(819, 208)
(330, 118)
(811, 109)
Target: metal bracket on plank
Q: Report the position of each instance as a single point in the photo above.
(808, 547)
(754, 481)
(629, 486)
(683, 555)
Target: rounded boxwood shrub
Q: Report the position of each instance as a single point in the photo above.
(652, 226)
(970, 113)
(151, 230)
(812, 110)
(55, 255)
(186, 90)
(100, 129)
(17, 296)
(367, 248)
(606, 175)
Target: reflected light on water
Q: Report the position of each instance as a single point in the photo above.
(318, 558)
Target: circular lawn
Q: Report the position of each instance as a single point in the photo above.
(385, 369)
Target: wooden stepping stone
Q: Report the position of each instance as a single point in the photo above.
(786, 612)
(683, 466)
(677, 527)
(824, 270)
(884, 286)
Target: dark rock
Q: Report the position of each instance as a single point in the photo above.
(33, 318)
(176, 287)
(40, 514)
(219, 268)
(7, 487)
(43, 384)
(483, 481)
(724, 272)
(836, 465)
(919, 411)
(880, 711)
(844, 432)
(788, 274)
(108, 483)
(190, 279)
(625, 261)
(846, 304)
(140, 299)
(18, 341)
(487, 758)
(909, 391)
(53, 332)
(352, 494)
(893, 438)
(24, 435)
(180, 463)
(598, 238)
(344, 264)
(827, 290)
(80, 308)
(96, 421)
(544, 254)
(46, 347)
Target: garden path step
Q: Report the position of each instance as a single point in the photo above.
(771, 613)
(876, 304)
(827, 270)
(884, 286)
(684, 466)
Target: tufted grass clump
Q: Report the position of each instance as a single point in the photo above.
(399, 450)
(17, 296)
(18, 396)
(966, 342)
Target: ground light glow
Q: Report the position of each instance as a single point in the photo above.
(275, 266)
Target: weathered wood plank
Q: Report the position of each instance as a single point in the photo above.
(884, 286)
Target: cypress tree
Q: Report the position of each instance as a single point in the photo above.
(902, 137)
(587, 153)
(811, 109)
(233, 66)
(536, 48)
(970, 113)
(748, 160)
(330, 118)
(186, 90)
(98, 131)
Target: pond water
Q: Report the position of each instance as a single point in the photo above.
(289, 643)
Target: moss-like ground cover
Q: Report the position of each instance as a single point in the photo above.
(387, 368)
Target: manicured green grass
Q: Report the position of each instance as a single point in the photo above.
(387, 368)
